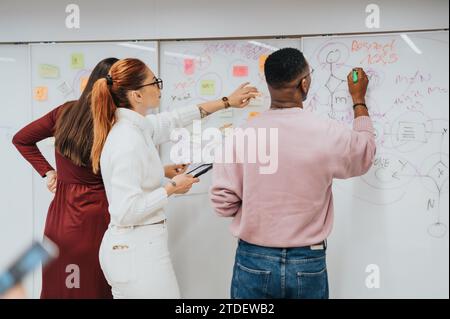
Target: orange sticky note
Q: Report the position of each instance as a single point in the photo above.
(40, 93)
(189, 66)
(252, 115)
(262, 61)
(83, 83)
(225, 126)
(240, 70)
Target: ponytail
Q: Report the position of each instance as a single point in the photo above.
(128, 74)
(103, 109)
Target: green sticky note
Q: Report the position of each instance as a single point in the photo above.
(207, 87)
(48, 71)
(226, 113)
(77, 61)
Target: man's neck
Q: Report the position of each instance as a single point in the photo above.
(277, 104)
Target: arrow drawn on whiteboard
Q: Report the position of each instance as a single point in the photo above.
(64, 88)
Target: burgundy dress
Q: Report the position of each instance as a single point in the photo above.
(76, 220)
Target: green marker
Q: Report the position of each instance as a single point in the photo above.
(355, 76)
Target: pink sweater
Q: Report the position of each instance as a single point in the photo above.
(294, 206)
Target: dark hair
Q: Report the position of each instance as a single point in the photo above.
(284, 66)
(108, 94)
(74, 127)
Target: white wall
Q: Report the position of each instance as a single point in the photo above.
(44, 20)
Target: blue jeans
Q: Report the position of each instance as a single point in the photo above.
(293, 273)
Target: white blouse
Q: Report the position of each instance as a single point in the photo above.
(131, 167)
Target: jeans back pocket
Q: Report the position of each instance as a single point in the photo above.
(249, 283)
(313, 285)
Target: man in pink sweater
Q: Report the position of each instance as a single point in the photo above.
(283, 218)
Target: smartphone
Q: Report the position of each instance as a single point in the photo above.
(38, 253)
(200, 170)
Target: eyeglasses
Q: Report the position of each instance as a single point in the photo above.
(158, 82)
(304, 77)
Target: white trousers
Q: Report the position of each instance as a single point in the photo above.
(136, 263)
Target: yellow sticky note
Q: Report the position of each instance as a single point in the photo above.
(83, 83)
(77, 61)
(48, 71)
(207, 87)
(252, 115)
(262, 61)
(40, 93)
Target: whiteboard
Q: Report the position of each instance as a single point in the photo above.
(193, 72)
(61, 68)
(395, 216)
(16, 188)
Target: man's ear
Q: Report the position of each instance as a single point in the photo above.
(304, 85)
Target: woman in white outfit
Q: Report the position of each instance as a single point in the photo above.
(134, 253)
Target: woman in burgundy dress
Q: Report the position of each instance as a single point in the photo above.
(78, 215)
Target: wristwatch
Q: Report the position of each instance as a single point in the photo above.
(226, 102)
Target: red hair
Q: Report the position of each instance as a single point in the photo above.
(125, 75)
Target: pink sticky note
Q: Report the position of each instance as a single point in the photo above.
(189, 66)
(240, 70)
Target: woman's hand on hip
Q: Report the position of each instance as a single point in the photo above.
(52, 179)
